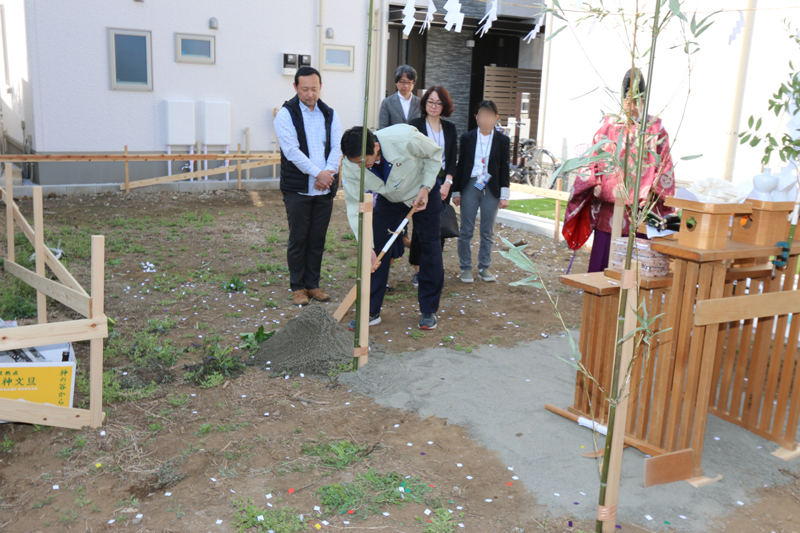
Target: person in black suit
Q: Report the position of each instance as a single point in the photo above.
(434, 105)
(481, 182)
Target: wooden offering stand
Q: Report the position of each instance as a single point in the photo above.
(767, 225)
(706, 226)
(715, 354)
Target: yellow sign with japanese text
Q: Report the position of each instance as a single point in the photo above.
(50, 383)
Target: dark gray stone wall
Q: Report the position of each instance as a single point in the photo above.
(470, 8)
(449, 64)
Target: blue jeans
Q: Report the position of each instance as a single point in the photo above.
(386, 217)
(473, 199)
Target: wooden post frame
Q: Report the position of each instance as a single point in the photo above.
(38, 250)
(239, 165)
(557, 231)
(93, 328)
(255, 160)
(127, 173)
(618, 436)
(362, 352)
(9, 200)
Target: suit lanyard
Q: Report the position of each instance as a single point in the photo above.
(483, 178)
(484, 149)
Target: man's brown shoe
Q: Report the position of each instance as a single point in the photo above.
(319, 295)
(300, 297)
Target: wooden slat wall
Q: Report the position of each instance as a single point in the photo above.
(501, 85)
(755, 377)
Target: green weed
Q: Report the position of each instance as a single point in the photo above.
(248, 515)
(6, 445)
(337, 454)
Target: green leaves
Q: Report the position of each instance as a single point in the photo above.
(252, 340)
(699, 27)
(515, 255)
(690, 157)
(555, 33)
(675, 7)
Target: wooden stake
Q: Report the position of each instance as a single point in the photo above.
(618, 435)
(351, 296)
(557, 231)
(239, 165)
(38, 249)
(247, 149)
(127, 175)
(96, 414)
(366, 277)
(9, 199)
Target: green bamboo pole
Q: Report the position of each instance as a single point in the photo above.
(623, 297)
(360, 259)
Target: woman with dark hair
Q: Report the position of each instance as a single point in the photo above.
(481, 182)
(434, 105)
(591, 203)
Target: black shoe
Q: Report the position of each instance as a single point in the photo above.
(428, 321)
(374, 320)
(415, 281)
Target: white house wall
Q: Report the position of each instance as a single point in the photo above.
(597, 58)
(15, 93)
(76, 111)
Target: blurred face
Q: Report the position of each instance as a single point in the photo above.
(434, 105)
(405, 86)
(370, 158)
(308, 89)
(486, 119)
(631, 106)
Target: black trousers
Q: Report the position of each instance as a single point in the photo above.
(414, 251)
(308, 217)
(386, 217)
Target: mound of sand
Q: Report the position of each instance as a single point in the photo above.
(311, 343)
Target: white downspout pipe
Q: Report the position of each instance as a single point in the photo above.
(741, 81)
(540, 141)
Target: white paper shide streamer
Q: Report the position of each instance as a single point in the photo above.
(426, 25)
(408, 17)
(737, 28)
(535, 31)
(487, 19)
(454, 16)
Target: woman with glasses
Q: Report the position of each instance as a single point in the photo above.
(434, 105)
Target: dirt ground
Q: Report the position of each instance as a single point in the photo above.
(209, 447)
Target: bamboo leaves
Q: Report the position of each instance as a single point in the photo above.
(785, 101)
(675, 7)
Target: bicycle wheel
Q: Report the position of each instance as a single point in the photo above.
(545, 166)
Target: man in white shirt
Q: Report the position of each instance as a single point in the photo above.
(402, 106)
(309, 134)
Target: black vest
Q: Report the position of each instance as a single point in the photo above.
(292, 178)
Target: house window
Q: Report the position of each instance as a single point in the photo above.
(130, 60)
(194, 48)
(338, 57)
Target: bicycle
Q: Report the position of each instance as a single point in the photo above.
(535, 166)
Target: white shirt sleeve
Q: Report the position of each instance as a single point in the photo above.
(335, 156)
(290, 146)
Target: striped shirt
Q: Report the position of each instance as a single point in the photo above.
(315, 162)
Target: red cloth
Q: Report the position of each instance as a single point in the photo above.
(585, 211)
